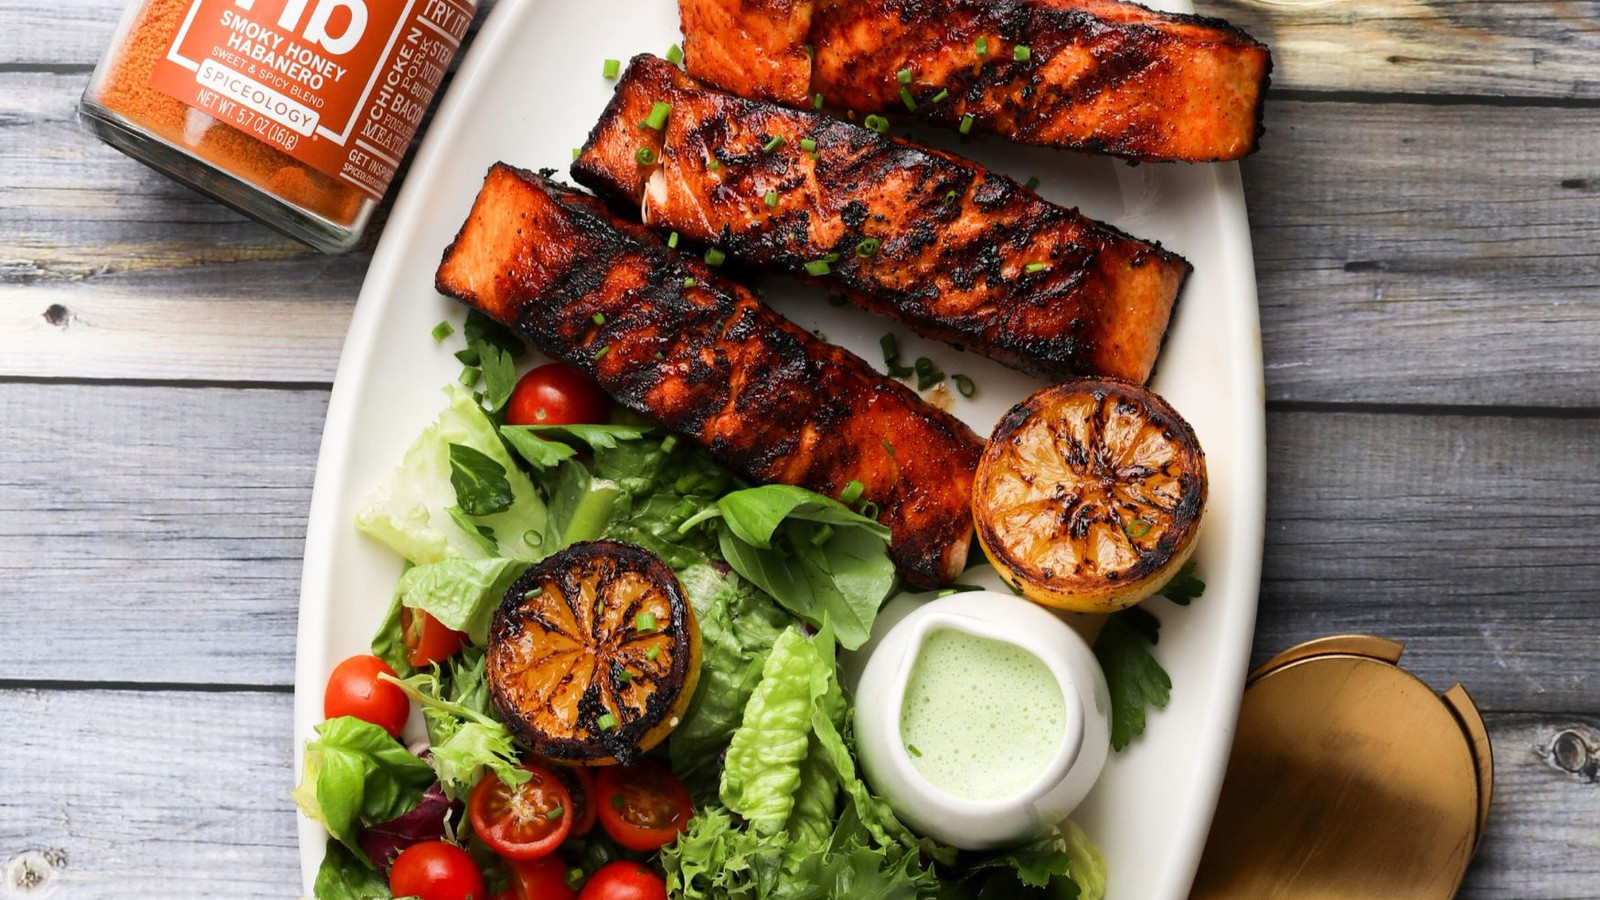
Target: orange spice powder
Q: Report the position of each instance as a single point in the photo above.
(126, 90)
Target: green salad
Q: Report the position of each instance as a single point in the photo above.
(781, 582)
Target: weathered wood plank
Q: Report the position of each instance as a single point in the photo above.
(136, 794)
(1414, 254)
(1547, 48)
(157, 533)
(1450, 261)
(194, 799)
(153, 535)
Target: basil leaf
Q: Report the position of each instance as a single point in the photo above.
(356, 774)
(482, 488)
(344, 877)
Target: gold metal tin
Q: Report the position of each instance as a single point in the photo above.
(1349, 779)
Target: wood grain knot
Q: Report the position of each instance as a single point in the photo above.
(31, 874)
(1570, 751)
(58, 315)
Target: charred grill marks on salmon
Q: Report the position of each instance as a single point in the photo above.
(1101, 76)
(700, 355)
(956, 252)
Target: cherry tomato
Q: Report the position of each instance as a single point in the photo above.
(557, 394)
(624, 881)
(642, 807)
(524, 821)
(355, 690)
(427, 639)
(544, 878)
(435, 870)
(579, 783)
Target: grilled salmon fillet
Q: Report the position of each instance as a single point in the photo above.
(957, 253)
(1100, 76)
(672, 339)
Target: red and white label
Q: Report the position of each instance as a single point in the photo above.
(340, 85)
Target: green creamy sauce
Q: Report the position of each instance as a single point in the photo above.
(981, 718)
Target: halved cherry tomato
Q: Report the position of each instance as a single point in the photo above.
(579, 783)
(524, 821)
(642, 807)
(435, 870)
(354, 689)
(427, 639)
(624, 881)
(544, 878)
(557, 394)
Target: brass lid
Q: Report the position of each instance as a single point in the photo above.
(1350, 779)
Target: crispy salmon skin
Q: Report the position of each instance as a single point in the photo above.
(956, 252)
(1100, 76)
(672, 339)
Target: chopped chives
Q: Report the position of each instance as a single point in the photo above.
(604, 349)
(469, 376)
(1031, 184)
(943, 95)
(851, 493)
(907, 99)
(887, 447)
(1031, 268)
(982, 46)
(657, 119)
(923, 366)
(576, 152)
(831, 258)
(904, 76)
(771, 199)
(818, 268)
(715, 257)
(819, 334)
(951, 198)
(624, 676)
(529, 595)
(808, 144)
(965, 385)
(555, 813)
(645, 156)
(606, 722)
(869, 510)
(652, 652)
(659, 354)
(868, 247)
(966, 124)
(912, 749)
(674, 54)
(598, 318)
(645, 622)
(711, 164)
(891, 348)
(612, 68)
(811, 52)
(688, 282)
(672, 240)
(877, 123)
(1022, 53)
(1137, 528)
(772, 145)
(816, 101)
(442, 331)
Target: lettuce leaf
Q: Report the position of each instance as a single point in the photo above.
(464, 733)
(355, 774)
(461, 593)
(410, 509)
(818, 558)
(738, 626)
(761, 772)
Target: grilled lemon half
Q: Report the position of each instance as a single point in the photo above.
(594, 654)
(1089, 495)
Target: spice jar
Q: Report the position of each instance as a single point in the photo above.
(296, 112)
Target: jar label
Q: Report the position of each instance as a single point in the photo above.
(340, 85)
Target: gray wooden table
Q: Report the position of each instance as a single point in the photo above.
(1425, 210)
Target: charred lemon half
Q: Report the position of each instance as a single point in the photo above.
(1089, 495)
(594, 654)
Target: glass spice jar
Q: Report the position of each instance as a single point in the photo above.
(295, 112)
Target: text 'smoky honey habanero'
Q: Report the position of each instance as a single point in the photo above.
(297, 112)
